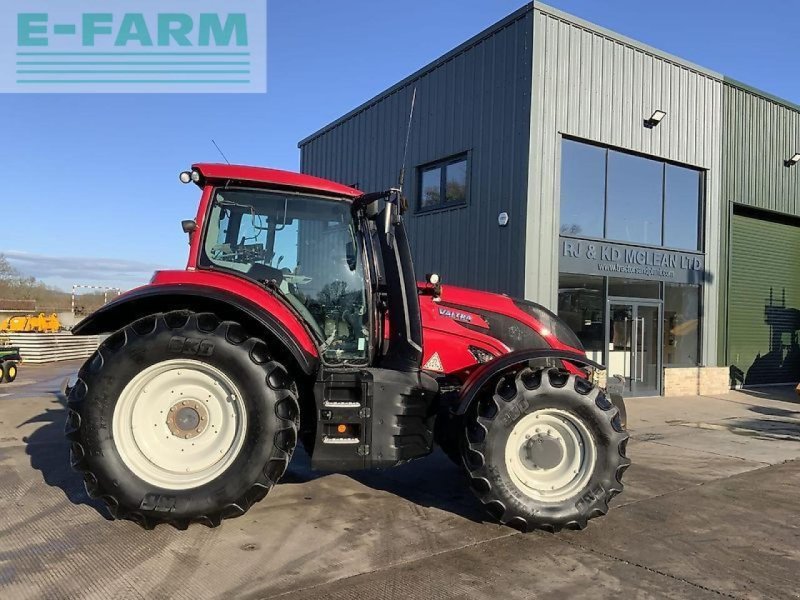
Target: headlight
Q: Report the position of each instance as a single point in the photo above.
(480, 355)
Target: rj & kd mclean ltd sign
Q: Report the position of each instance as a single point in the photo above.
(592, 257)
(130, 46)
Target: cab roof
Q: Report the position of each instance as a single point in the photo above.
(277, 177)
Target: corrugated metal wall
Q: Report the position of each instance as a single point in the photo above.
(592, 85)
(476, 99)
(759, 134)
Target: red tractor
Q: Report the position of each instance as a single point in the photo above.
(299, 318)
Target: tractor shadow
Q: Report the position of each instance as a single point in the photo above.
(430, 482)
(49, 454)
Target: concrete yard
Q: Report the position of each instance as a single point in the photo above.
(710, 509)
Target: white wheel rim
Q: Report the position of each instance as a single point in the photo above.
(550, 455)
(193, 443)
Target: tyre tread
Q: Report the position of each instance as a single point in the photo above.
(272, 471)
(474, 459)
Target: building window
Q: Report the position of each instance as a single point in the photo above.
(583, 189)
(620, 196)
(682, 212)
(581, 304)
(443, 184)
(681, 325)
(634, 288)
(635, 191)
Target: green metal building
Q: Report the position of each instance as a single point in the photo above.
(760, 320)
(653, 203)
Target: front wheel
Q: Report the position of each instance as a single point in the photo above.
(544, 450)
(181, 418)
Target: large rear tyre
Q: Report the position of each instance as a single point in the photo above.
(544, 450)
(181, 418)
(9, 371)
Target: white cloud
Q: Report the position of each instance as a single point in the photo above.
(64, 271)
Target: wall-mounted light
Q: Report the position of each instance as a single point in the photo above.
(792, 161)
(655, 119)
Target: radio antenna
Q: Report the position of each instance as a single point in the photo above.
(221, 153)
(408, 136)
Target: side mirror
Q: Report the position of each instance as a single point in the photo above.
(189, 226)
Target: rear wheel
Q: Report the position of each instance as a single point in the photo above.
(181, 418)
(544, 449)
(8, 371)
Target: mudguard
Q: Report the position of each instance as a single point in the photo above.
(486, 371)
(257, 309)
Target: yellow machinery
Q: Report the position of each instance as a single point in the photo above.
(40, 323)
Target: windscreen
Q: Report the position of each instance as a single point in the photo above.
(306, 249)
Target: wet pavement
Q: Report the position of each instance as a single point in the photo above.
(710, 509)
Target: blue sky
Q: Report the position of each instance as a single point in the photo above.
(91, 193)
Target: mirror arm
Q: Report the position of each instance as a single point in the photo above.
(364, 200)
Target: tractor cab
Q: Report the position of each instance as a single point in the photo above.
(308, 250)
(337, 257)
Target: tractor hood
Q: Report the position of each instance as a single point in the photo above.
(496, 323)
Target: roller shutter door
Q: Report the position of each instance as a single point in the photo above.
(764, 301)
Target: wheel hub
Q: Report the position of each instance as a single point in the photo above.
(187, 419)
(179, 424)
(542, 451)
(550, 455)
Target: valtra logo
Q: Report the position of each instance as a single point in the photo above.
(456, 315)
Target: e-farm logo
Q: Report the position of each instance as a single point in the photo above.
(133, 46)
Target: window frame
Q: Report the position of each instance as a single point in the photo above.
(443, 164)
(702, 197)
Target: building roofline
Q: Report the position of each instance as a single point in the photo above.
(760, 93)
(588, 25)
(460, 49)
(564, 16)
(545, 8)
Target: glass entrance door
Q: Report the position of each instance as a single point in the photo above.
(634, 344)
